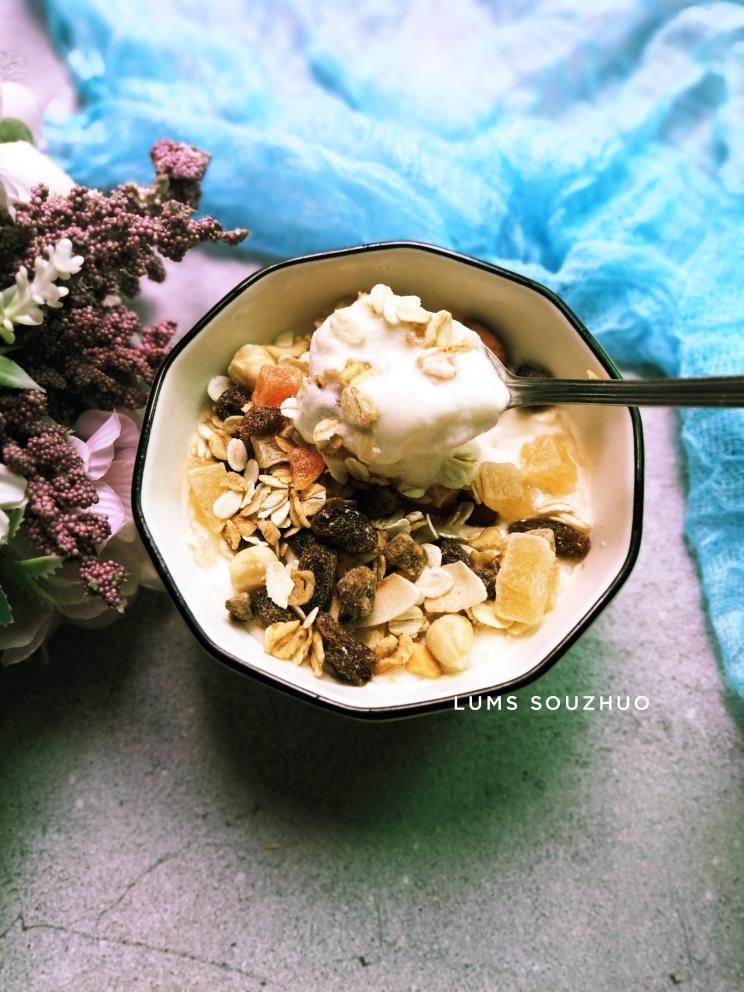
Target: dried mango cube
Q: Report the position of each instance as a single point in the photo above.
(526, 579)
(504, 488)
(547, 462)
(207, 483)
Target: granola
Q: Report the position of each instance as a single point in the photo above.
(355, 571)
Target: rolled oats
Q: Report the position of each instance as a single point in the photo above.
(358, 409)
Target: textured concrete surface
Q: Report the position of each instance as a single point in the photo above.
(168, 825)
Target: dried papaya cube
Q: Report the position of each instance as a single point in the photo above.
(547, 462)
(276, 383)
(207, 483)
(504, 488)
(489, 339)
(526, 579)
(306, 465)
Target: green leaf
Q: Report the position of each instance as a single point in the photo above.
(27, 576)
(11, 129)
(6, 614)
(13, 376)
(16, 518)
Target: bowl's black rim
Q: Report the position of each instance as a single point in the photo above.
(414, 709)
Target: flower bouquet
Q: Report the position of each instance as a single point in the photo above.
(76, 365)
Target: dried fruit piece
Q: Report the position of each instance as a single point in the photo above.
(350, 659)
(267, 611)
(275, 383)
(268, 452)
(379, 501)
(207, 483)
(487, 573)
(239, 607)
(356, 593)
(531, 370)
(504, 488)
(340, 524)
(482, 516)
(489, 339)
(407, 556)
(422, 662)
(467, 590)
(450, 639)
(261, 421)
(321, 561)
(452, 551)
(547, 462)
(488, 539)
(569, 542)
(524, 581)
(306, 465)
(248, 567)
(231, 402)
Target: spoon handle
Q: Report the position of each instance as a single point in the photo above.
(714, 391)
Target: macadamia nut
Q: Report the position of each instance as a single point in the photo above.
(450, 639)
(248, 568)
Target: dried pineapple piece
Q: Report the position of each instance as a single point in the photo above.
(526, 578)
(547, 462)
(504, 488)
(422, 662)
(208, 483)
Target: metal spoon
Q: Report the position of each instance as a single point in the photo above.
(722, 390)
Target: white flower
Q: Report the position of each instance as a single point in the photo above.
(21, 168)
(18, 101)
(21, 304)
(12, 497)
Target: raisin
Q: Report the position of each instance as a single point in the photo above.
(348, 657)
(356, 593)
(531, 370)
(340, 524)
(239, 607)
(261, 421)
(321, 561)
(452, 551)
(482, 516)
(569, 542)
(267, 611)
(406, 555)
(379, 501)
(301, 541)
(231, 402)
(487, 574)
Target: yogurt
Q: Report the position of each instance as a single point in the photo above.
(401, 390)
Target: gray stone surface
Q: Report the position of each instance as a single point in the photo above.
(165, 824)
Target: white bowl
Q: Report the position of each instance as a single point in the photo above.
(534, 324)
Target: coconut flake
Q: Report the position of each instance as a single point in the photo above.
(279, 584)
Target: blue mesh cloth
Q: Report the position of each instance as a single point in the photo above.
(597, 147)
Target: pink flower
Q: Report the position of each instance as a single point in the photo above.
(107, 444)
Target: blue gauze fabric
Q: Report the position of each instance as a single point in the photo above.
(599, 148)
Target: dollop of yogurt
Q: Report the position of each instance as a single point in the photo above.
(398, 389)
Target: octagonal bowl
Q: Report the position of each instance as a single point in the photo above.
(535, 325)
